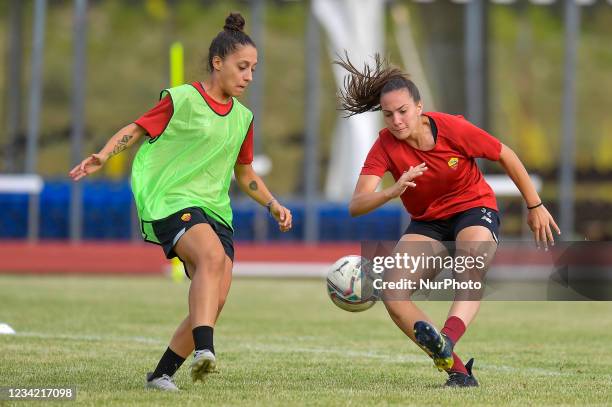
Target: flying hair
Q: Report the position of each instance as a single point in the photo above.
(362, 89)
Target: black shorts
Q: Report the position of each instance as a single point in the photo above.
(446, 230)
(169, 230)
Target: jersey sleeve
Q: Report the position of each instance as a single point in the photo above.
(245, 156)
(476, 142)
(377, 162)
(156, 120)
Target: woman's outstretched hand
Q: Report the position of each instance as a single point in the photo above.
(88, 166)
(541, 223)
(405, 180)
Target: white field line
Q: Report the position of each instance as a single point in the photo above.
(289, 269)
(393, 359)
(89, 338)
(382, 357)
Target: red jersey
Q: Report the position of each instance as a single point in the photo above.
(156, 120)
(453, 183)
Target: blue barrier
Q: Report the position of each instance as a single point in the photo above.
(107, 209)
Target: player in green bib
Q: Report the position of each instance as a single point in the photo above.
(198, 135)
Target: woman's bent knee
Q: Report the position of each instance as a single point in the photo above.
(211, 263)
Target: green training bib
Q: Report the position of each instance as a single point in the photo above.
(191, 162)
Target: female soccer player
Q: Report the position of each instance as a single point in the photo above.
(432, 159)
(198, 133)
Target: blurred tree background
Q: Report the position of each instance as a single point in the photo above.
(127, 66)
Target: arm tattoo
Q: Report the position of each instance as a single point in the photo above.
(253, 185)
(121, 144)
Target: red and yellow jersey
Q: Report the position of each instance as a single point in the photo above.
(453, 183)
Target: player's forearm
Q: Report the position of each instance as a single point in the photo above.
(252, 185)
(123, 139)
(517, 172)
(366, 202)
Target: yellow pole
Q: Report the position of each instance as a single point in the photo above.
(176, 64)
(177, 272)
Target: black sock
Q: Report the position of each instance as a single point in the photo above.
(168, 364)
(203, 338)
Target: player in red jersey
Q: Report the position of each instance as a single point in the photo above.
(432, 159)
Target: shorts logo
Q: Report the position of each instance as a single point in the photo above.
(186, 217)
(486, 215)
(453, 162)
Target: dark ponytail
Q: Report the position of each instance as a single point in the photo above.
(228, 40)
(362, 89)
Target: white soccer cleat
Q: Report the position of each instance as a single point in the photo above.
(164, 383)
(204, 362)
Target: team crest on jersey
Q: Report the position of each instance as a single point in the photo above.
(186, 217)
(453, 162)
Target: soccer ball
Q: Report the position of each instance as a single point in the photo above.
(349, 284)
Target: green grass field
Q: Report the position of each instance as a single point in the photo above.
(282, 342)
